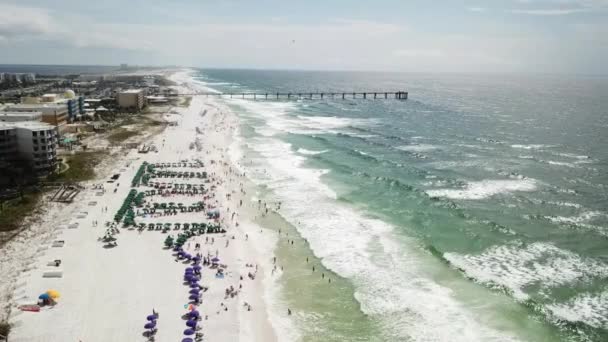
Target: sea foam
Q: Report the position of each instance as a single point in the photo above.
(516, 266)
(484, 189)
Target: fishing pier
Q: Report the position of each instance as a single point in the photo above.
(372, 95)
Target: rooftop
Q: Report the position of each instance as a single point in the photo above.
(132, 91)
(35, 106)
(28, 125)
(20, 113)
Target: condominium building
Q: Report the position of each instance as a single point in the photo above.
(33, 142)
(133, 99)
(52, 113)
(8, 145)
(37, 143)
(20, 116)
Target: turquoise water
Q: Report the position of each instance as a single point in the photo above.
(475, 211)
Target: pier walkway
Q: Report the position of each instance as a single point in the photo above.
(373, 95)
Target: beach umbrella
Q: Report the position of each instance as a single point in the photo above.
(44, 296)
(150, 325)
(189, 269)
(151, 317)
(193, 313)
(194, 291)
(197, 267)
(53, 294)
(194, 286)
(193, 297)
(215, 260)
(187, 339)
(191, 324)
(189, 332)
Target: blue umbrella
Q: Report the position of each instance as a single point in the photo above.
(188, 332)
(187, 339)
(150, 325)
(193, 313)
(194, 291)
(44, 296)
(191, 324)
(189, 269)
(194, 286)
(151, 317)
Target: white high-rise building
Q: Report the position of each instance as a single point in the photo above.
(34, 142)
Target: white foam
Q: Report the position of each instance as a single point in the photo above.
(277, 119)
(591, 309)
(572, 155)
(484, 189)
(530, 147)
(345, 240)
(310, 152)
(553, 162)
(515, 266)
(418, 148)
(582, 220)
(332, 122)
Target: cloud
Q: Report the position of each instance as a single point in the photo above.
(549, 11)
(409, 53)
(18, 21)
(476, 9)
(559, 7)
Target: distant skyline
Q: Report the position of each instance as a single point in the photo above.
(554, 36)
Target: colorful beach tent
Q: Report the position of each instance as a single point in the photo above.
(53, 294)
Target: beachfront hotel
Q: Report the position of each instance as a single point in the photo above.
(32, 142)
(52, 113)
(132, 99)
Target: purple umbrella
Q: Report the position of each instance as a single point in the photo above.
(193, 297)
(187, 339)
(193, 313)
(194, 285)
(194, 291)
(151, 317)
(150, 325)
(188, 332)
(189, 269)
(215, 259)
(197, 267)
(191, 324)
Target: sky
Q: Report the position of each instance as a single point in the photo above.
(539, 36)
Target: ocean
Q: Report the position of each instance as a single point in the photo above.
(477, 210)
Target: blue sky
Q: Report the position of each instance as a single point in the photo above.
(556, 36)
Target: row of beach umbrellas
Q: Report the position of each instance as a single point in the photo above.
(191, 278)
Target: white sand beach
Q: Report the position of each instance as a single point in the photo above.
(107, 293)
